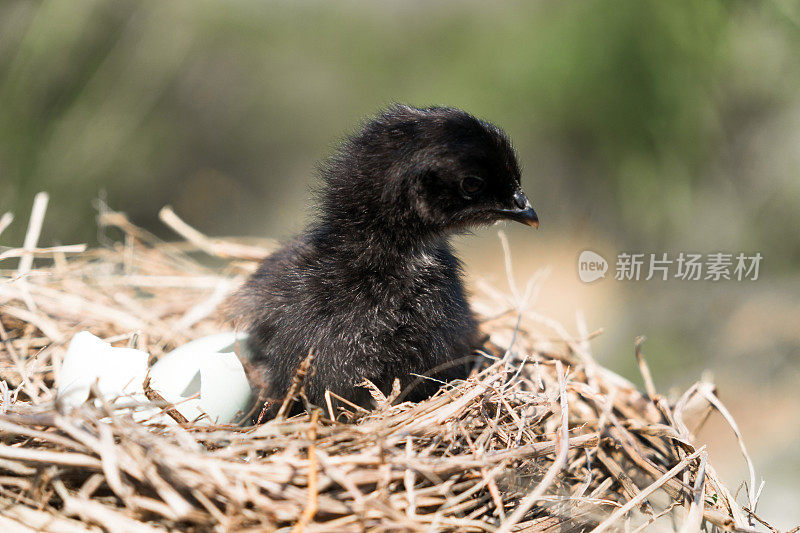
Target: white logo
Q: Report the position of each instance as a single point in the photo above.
(591, 266)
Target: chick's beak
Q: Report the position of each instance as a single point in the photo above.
(522, 211)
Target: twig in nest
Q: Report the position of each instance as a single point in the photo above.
(296, 387)
(266, 406)
(649, 386)
(213, 247)
(752, 493)
(5, 221)
(170, 410)
(313, 496)
(694, 518)
(642, 496)
(24, 252)
(34, 230)
(763, 522)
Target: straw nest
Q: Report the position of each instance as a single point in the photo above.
(542, 438)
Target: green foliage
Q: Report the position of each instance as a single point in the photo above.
(660, 119)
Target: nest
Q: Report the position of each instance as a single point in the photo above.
(541, 438)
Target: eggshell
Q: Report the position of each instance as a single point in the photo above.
(118, 372)
(209, 367)
(204, 378)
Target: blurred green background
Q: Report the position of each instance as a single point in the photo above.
(642, 126)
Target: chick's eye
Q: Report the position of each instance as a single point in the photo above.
(471, 185)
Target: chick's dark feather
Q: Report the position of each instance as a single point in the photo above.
(372, 287)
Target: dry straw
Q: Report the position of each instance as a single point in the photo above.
(540, 438)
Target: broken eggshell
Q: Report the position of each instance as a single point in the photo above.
(203, 378)
(118, 372)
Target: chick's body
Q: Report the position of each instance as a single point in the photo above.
(363, 321)
(372, 287)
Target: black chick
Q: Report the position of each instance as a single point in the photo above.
(372, 287)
